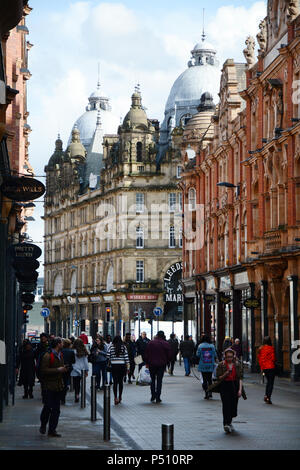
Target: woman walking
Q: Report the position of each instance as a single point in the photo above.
(26, 364)
(119, 360)
(99, 353)
(229, 374)
(81, 363)
(266, 359)
(108, 342)
(207, 358)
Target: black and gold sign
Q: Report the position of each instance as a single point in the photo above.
(25, 251)
(252, 303)
(22, 189)
(225, 299)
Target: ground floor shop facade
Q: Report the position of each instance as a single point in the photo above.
(250, 302)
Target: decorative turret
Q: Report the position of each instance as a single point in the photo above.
(58, 154)
(137, 116)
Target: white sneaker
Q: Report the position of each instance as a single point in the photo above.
(227, 429)
(231, 428)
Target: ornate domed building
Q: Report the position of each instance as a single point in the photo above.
(86, 123)
(202, 75)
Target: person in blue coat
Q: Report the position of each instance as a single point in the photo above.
(207, 358)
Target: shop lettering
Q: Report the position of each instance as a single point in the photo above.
(173, 269)
(174, 298)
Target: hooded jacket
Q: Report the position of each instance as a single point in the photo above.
(158, 353)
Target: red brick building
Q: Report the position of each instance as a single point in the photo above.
(247, 183)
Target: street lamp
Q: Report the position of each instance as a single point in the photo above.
(230, 185)
(76, 307)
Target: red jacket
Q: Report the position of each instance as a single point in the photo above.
(266, 357)
(84, 338)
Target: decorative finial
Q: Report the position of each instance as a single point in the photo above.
(98, 84)
(137, 88)
(203, 33)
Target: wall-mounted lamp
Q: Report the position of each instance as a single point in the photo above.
(230, 185)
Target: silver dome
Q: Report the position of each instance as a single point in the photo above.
(203, 75)
(87, 122)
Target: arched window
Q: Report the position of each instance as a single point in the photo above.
(139, 152)
(192, 199)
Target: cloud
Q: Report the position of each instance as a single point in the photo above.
(130, 45)
(113, 20)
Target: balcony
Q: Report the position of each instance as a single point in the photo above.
(274, 240)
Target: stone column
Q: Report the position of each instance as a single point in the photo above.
(294, 326)
(264, 309)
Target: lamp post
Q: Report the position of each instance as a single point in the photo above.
(230, 185)
(76, 306)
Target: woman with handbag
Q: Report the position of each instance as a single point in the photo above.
(229, 383)
(267, 363)
(119, 361)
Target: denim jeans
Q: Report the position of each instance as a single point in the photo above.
(270, 376)
(187, 367)
(99, 369)
(156, 373)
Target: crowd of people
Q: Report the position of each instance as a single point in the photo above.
(55, 361)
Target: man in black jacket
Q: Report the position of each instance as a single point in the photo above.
(141, 345)
(187, 350)
(173, 342)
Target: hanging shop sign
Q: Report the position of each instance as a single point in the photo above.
(209, 298)
(252, 303)
(27, 298)
(22, 189)
(27, 286)
(25, 266)
(30, 276)
(173, 288)
(225, 299)
(25, 251)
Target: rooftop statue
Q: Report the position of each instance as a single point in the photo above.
(249, 51)
(262, 36)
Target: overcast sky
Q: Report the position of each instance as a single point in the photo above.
(134, 41)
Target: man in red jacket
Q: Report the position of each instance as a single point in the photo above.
(158, 354)
(84, 338)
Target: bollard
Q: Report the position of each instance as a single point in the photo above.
(106, 413)
(93, 399)
(71, 384)
(167, 431)
(83, 389)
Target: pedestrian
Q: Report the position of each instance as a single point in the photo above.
(187, 350)
(266, 359)
(69, 360)
(207, 358)
(51, 339)
(72, 339)
(40, 351)
(52, 370)
(158, 354)
(26, 365)
(99, 355)
(237, 347)
(108, 341)
(173, 342)
(119, 361)
(141, 345)
(84, 337)
(229, 379)
(131, 349)
(81, 363)
(227, 343)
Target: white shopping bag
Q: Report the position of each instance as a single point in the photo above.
(214, 376)
(144, 377)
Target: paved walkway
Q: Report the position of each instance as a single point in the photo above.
(20, 427)
(136, 423)
(198, 423)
